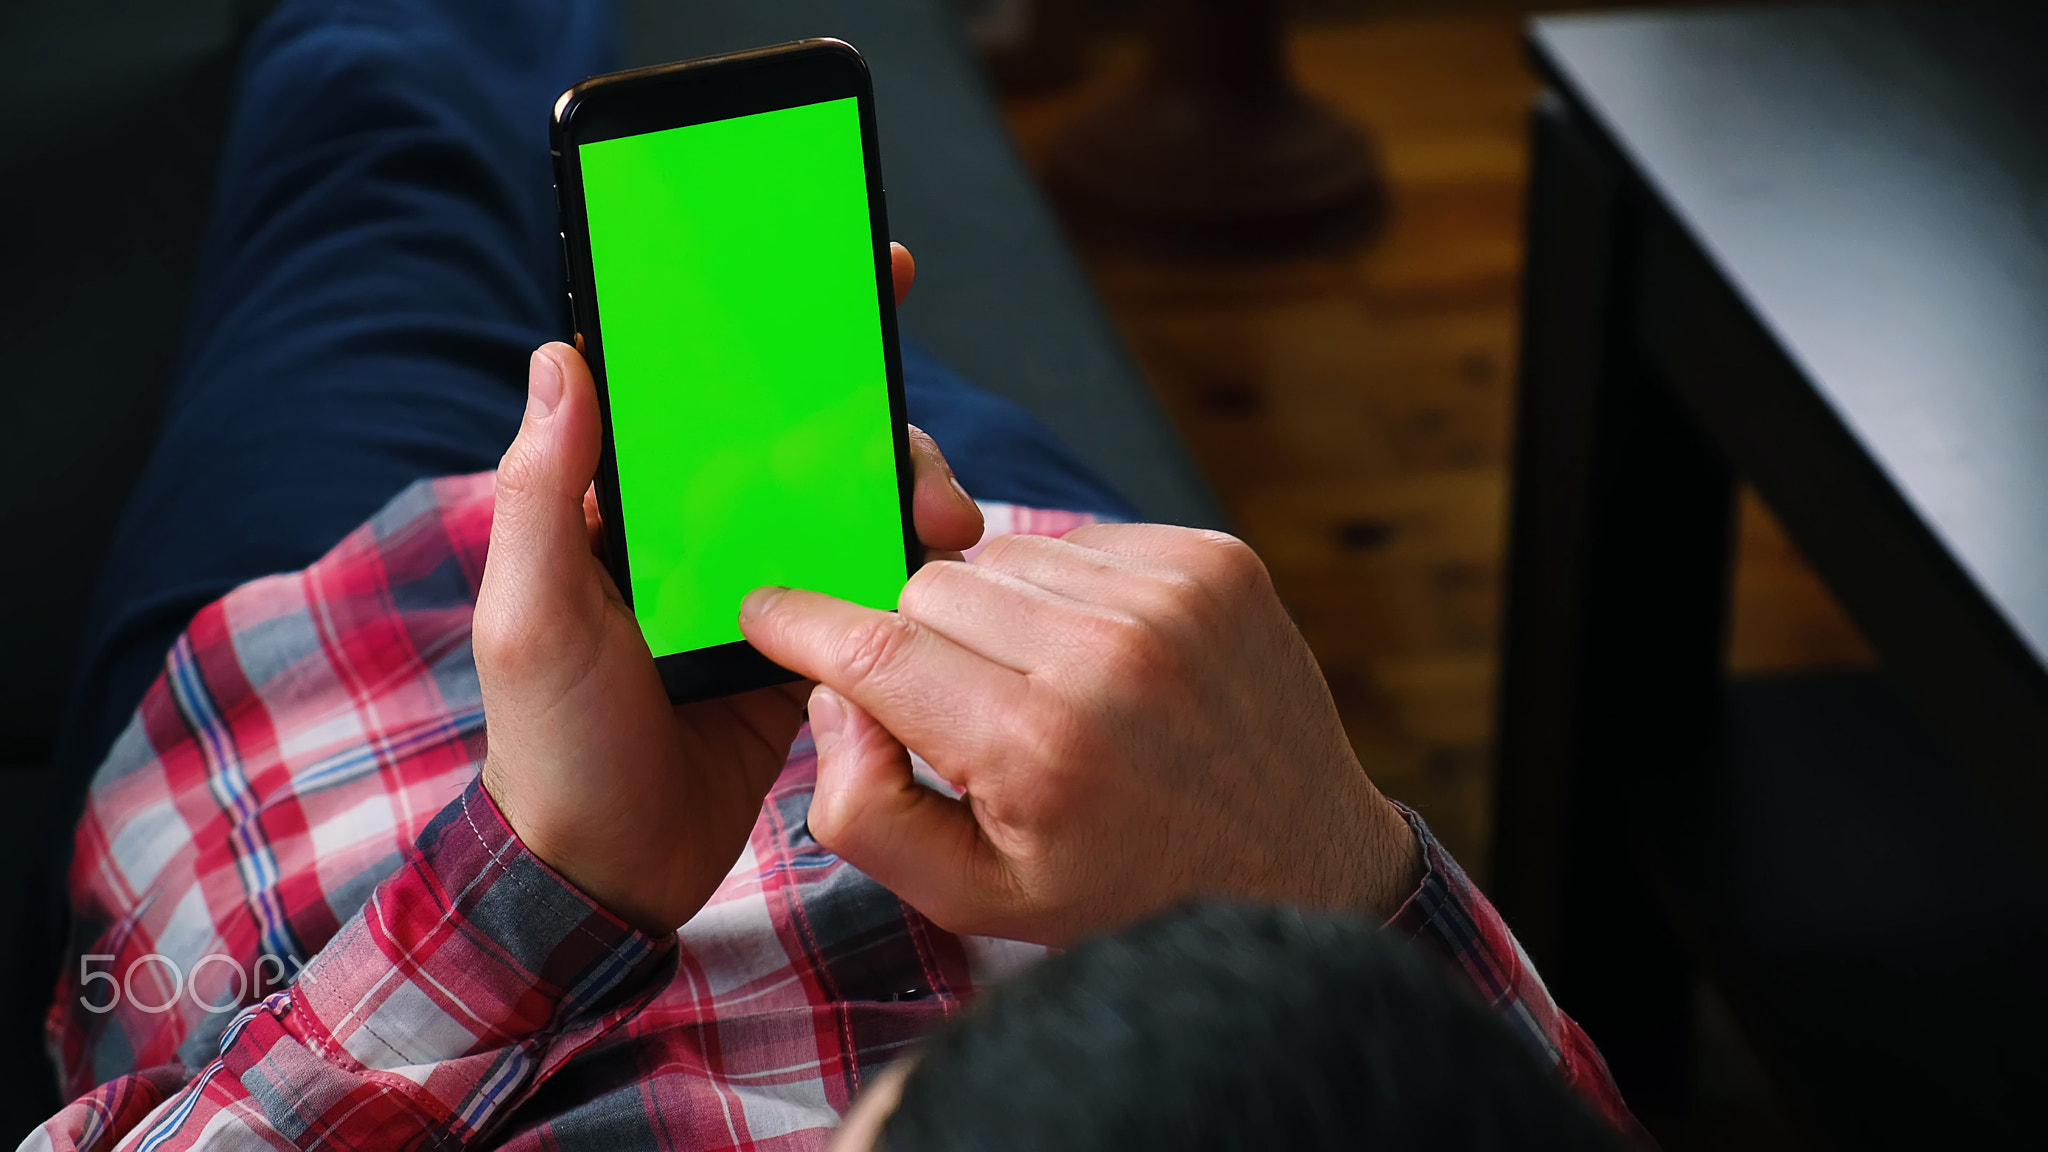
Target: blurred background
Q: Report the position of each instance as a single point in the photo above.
(1352, 407)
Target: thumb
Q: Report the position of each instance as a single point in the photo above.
(538, 528)
(867, 808)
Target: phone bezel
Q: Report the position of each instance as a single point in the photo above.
(674, 96)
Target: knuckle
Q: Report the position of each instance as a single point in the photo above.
(1178, 596)
(507, 654)
(1221, 571)
(1120, 634)
(520, 473)
(1225, 558)
(1129, 649)
(1091, 535)
(926, 587)
(514, 645)
(1137, 639)
(500, 635)
(1003, 551)
(491, 643)
(873, 648)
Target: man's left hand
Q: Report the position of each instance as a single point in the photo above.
(641, 804)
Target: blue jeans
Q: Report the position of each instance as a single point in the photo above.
(381, 261)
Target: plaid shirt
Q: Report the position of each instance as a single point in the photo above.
(300, 922)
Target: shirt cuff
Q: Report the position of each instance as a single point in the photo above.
(475, 945)
(1448, 916)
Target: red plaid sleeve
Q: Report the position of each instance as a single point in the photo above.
(1450, 917)
(298, 757)
(316, 946)
(471, 975)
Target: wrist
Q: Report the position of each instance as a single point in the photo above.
(439, 921)
(1388, 863)
(582, 866)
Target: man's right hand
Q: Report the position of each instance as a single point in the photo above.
(1133, 719)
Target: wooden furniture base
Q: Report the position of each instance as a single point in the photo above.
(1216, 154)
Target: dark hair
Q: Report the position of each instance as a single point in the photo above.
(1228, 1026)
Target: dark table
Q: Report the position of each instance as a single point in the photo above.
(1807, 248)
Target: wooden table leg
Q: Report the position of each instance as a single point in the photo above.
(1216, 153)
(1616, 616)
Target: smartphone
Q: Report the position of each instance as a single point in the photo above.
(729, 281)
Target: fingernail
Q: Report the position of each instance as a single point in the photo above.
(543, 384)
(955, 482)
(828, 718)
(761, 600)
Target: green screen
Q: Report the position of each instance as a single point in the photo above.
(742, 343)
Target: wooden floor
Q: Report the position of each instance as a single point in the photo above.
(1353, 412)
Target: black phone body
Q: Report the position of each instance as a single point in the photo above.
(727, 94)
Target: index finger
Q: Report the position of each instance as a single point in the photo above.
(941, 700)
